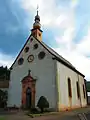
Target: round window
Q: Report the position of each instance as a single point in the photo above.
(20, 61)
(26, 49)
(31, 39)
(35, 46)
(41, 55)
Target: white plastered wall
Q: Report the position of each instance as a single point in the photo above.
(43, 70)
(63, 74)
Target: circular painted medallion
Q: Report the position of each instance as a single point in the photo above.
(30, 58)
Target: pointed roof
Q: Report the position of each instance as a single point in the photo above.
(37, 17)
(37, 21)
(56, 56)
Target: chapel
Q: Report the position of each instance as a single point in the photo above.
(40, 71)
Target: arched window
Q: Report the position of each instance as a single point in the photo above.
(78, 89)
(39, 34)
(84, 91)
(69, 88)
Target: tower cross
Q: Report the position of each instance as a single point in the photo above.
(37, 6)
(37, 9)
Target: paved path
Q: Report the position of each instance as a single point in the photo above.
(71, 115)
(51, 117)
(21, 116)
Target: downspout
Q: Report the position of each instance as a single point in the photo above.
(79, 91)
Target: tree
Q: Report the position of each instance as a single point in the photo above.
(42, 103)
(3, 98)
(4, 73)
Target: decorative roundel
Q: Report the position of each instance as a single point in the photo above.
(41, 55)
(35, 46)
(20, 61)
(30, 58)
(26, 49)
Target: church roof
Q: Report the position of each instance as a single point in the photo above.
(59, 57)
(55, 54)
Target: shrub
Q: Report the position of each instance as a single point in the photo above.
(42, 103)
(3, 98)
(34, 110)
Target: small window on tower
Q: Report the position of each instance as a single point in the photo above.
(39, 34)
(35, 46)
(33, 33)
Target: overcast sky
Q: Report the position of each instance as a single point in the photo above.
(65, 25)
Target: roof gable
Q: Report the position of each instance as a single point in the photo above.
(19, 53)
(24, 55)
(59, 57)
(51, 51)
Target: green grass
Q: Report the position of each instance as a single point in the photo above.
(41, 114)
(34, 115)
(2, 118)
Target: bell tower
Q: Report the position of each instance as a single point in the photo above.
(36, 31)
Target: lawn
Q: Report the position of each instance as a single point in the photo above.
(41, 114)
(2, 118)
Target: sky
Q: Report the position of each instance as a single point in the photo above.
(65, 25)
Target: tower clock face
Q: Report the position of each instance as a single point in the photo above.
(30, 58)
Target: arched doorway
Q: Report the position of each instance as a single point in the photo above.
(28, 98)
(28, 92)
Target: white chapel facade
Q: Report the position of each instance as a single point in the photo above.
(39, 71)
